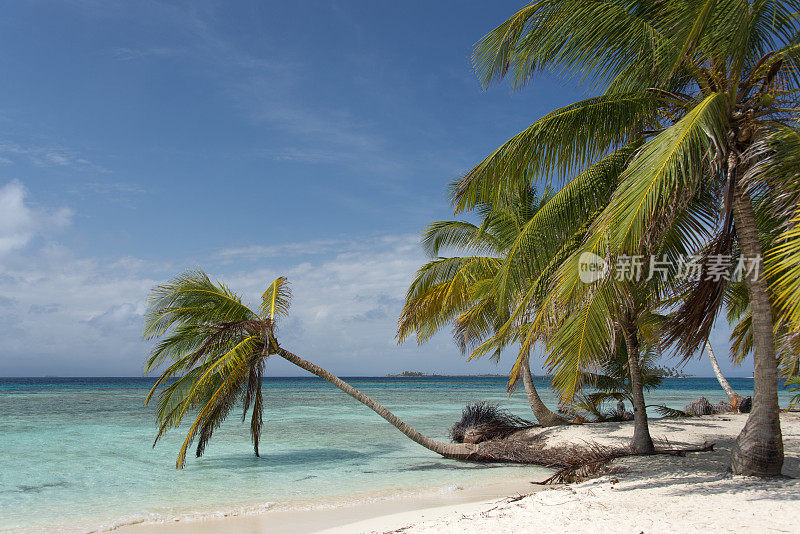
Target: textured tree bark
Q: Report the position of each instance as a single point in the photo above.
(544, 415)
(642, 442)
(733, 397)
(458, 451)
(758, 450)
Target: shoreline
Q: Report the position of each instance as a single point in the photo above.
(324, 515)
(650, 494)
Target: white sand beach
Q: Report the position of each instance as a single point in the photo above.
(642, 494)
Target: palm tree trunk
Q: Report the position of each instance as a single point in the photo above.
(758, 450)
(642, 442)
(733, 397)
(544, 415)
(458, 451)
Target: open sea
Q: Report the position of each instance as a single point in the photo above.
(76, 454)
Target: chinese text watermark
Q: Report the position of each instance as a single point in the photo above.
(695, 268)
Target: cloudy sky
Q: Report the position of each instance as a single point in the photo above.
(254, 139)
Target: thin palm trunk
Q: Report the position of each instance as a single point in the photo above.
(758, 450)
(458, 451)
(733, 397)
(544, 415)
(642, 442)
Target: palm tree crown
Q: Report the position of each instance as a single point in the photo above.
(463, 290)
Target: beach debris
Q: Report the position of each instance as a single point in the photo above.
(484, 421)
(666, 411)
(702, 406)
(620, 413)
(699, 407)
(745, 405)
(723, 407)
(580, 463)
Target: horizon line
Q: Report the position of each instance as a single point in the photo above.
(389, 375)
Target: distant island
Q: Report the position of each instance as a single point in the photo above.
(417, 374)
(671, 372)
(664, 372)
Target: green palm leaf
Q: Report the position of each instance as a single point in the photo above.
(564, 142)
(277, 299)
(660, 179)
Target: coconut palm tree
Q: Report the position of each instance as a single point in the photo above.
(216, 347)
(709, 88)
(459, 289)
(733, 397)
(787, 333)
(613, 381)
(582, 324)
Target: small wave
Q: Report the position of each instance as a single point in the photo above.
(156, 518)
(185, 516)
(436, 466)
(37, 488)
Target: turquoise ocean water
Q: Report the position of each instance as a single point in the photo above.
(76, 455)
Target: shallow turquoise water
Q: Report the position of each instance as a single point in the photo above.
(76, 455)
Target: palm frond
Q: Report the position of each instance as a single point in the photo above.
(657, 181)
(192, 298)
(592, 38)
(460, 235)
(277, 299)
(666, 411)
(560, 144)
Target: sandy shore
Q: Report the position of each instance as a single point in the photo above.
(650, 494)
(332, 514)
(645, 494)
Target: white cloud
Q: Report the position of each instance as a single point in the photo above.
(66, 314)
(71, 315)
(318, 246)
(48, 156)
(20, 223)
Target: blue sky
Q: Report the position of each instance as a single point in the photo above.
(254, 139)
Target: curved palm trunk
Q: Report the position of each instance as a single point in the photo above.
(758, 450)
(544, 415)
(458, 451)
(733, 397)
(642, 442)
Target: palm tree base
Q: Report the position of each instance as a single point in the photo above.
(554, 420)
(758, 450)
(642, 443)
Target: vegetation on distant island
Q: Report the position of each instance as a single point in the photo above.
(417, 374)
(670, 372)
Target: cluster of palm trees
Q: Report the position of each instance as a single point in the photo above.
(690, 150)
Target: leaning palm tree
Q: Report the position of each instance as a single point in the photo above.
(733, 397)
(215, 348)
(458, 289)
(708, 88)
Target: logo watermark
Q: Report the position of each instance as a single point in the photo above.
(591, 267)
(715, 267)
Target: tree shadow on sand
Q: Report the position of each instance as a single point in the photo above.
(708, 474)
